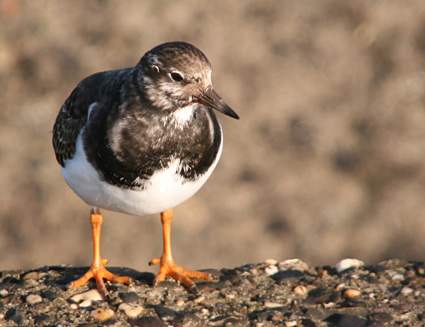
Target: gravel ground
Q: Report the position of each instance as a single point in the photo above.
(288, 293)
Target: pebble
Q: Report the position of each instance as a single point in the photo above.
(4, 293)
(351, 293)
(31, 275)
(131, 310)
(271, 270)
(290, 323)
(129, 297)
(86, 298)
(271, 262)
(293, 264)
(102, 314)
(288, 275)
(199, 299)
(272, 305)
(180, 302)
(406, 290)
(301, 291)
(348, 263)
(323, 295)
(33, 299)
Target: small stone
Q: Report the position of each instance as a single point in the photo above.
(14, 315)
(130, 297)
(180, 302)
(301, 291)
(131, 310)
(86, 298)
(290, 323)
(271, 270)
(380, 316)
(73, 306)
(4, 293)
(33, 298)
(323, 295)
(271, 262)
(396, 276)
(406, 290)
(288, 275)
(293, 264)
(199, 299)
(102, 314)
(272, 305)
(351, 294)
(348, 263)
(31, 275)
(230, 296)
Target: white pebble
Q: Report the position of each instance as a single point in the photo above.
(397, 276)
(293, 264)
(180, 302)
(348, 263)
(271, 262)
(406, 290)
(102, 314)
(271, 270)
(33, 299)
(301, 291)
(4, 293)
(87, 298)
(131, 310)
(291, 323)
(272, 305)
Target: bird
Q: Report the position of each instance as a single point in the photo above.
(140, 141)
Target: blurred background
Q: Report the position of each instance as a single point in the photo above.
(326, 162)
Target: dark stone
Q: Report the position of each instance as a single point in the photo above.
(147, 322)
(308, 323)
(380, 316)
(344, 320)
(287, 274)
(41, 319)
(377, 269)
(323, 295)
(130, 297)
(351, 321)
(164, 312)
(49, 294)
(14, 315)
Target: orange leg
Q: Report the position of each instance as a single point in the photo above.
(167, 265)
(97, 269)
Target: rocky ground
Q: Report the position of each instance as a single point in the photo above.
(289, 293)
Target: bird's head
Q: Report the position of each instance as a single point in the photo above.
(176, 75)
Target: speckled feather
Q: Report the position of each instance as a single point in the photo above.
(129, 134)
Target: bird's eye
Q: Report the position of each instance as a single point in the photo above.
(176, 76)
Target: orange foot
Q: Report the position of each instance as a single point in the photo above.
(97, 269)
(98, 272)
(170, 268)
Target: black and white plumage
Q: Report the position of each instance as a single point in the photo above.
(141, 140)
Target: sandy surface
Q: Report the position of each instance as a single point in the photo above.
(326, 162)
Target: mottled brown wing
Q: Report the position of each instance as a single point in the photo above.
(69, 122)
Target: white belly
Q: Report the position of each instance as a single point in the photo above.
(163, 191)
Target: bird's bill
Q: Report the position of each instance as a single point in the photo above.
(211, 99)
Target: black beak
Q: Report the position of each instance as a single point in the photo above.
(211, 99)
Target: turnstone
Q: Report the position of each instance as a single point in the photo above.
(141, 140)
